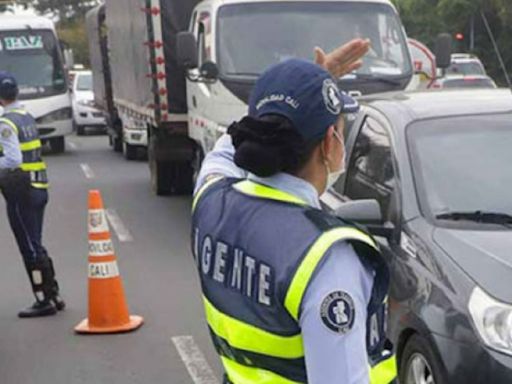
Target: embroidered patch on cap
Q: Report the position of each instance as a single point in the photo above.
(338, 312)
(332, 98)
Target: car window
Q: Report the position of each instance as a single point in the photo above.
(371, 172)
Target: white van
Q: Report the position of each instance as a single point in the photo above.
(30, 50)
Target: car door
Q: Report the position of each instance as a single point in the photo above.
(373, 173)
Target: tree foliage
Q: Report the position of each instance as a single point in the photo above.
(425, 19)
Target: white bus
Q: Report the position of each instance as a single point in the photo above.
(30, 50)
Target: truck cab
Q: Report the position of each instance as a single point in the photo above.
(237, 40)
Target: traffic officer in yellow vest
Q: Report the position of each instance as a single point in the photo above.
(24, 186)
(292, 294)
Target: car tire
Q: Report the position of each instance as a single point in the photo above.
(130, 151)
(419, 363)
(57, 144)
(80, 130)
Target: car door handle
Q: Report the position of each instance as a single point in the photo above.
(194, 101)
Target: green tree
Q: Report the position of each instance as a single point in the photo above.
(425, 19)
(64, 10)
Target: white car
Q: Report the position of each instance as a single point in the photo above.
(85, 114)
(460, 81)
(465, 64)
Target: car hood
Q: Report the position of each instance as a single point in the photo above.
(486, 256)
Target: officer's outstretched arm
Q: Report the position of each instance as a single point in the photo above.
(333, 319)
(219, 162)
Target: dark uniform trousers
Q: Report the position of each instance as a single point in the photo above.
(25, 211)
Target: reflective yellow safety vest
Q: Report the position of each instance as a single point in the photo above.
(25, 127)
(256, 249)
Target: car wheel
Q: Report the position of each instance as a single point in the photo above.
(80, 130)
(419, 364)
(57, 144)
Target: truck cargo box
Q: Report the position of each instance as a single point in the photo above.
(139, 33)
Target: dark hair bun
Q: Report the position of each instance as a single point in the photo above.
(266, 146)
(261, 160)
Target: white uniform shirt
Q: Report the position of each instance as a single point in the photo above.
(12, 157)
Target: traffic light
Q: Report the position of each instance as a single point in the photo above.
(459, 36)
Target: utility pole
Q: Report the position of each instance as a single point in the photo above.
(472, 34)
(496, 49)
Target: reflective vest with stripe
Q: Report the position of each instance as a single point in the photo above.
(25, 127)
(256, 249)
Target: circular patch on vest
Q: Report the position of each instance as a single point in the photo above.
(338, 312)
(6, 133)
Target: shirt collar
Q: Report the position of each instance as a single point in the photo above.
(291, 184)
(12, 106)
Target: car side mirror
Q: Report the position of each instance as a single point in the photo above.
(209, 71)
(443, 50)
(186, 47)
(368, 214)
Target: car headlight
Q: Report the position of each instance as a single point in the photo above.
(59, 114)
(86, 103)
(493, 320)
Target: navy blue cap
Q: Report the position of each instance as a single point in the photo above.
(7, 82)
(303, 92)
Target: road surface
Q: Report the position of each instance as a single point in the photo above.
(152, 245)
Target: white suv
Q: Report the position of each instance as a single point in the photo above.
(85, 114)
(466, 64)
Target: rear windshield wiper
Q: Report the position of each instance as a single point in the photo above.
(478, 217)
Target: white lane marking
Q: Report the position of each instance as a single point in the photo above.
(71, 145)
(87, 171)
(197, 366)
(123, 234)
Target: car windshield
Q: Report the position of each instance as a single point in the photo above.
(33, 57)
(84, 82)
(462, 164)
(282, 30)
(469, 82)
(467, 68)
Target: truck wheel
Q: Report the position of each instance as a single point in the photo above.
(117, 143)
(130, 151)
(183, 179)
(160, 178)
(196, 164)
(419, 363)
(58, 144)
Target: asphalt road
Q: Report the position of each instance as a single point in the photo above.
(156, 267)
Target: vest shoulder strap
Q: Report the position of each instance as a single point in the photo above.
(332, 231)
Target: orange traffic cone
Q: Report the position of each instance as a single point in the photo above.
(108, 312)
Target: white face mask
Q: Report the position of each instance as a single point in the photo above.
(333, 176)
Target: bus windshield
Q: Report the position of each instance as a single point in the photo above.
(33, 57)
(281, 30)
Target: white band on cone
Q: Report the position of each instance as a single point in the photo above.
(97, 221)
(99, 248)
(103, 270)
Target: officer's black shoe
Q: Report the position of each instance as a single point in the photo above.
(38, 309)
(58, 302)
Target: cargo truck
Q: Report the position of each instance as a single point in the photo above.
(101, 74)
(181, 105)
